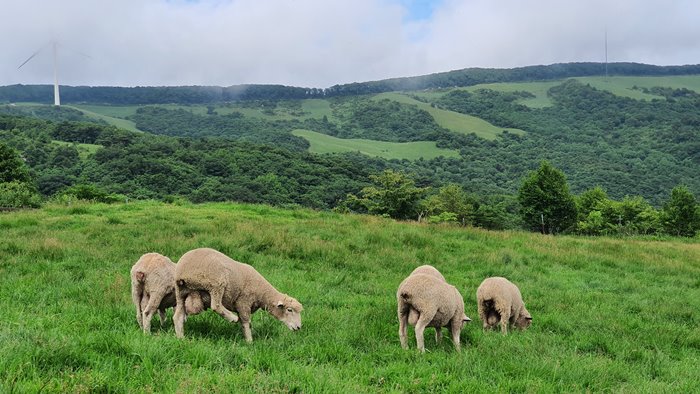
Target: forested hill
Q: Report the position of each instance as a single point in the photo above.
(217, 94)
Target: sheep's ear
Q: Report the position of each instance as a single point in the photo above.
(528, 318)
(466, 319)
(280, 304)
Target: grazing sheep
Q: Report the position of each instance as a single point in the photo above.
(226, 285)
(499, 300)
(412, 314)
(425, 300)
(429, 270)
(152, 288)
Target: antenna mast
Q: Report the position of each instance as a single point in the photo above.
(606, 53)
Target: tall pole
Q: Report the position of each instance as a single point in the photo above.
(56, 97)
(606, 53)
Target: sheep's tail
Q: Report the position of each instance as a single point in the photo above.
(180, 283)
(488, 305)
(405, 296)
(140, 276)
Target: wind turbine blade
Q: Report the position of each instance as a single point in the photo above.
(74, 51)
(30, 58)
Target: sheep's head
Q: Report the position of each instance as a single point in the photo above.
(465, 319)
(524, 320)
(288, 311)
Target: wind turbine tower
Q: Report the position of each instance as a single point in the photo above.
(56, 95)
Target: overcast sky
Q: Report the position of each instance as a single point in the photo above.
(319, 43)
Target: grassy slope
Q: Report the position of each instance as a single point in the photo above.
(111, 115)
(84, 150)
(621, 86)
(609, 315)
(456, 122)
(322, 143)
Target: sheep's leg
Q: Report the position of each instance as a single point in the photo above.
(421, 324)
(438, 334)
(455, 330)
(180, 315)
(403, 323)
(483, 316)
(136, 293)
(505, 318)
(217, 296)
(244, 316)
(150, 309)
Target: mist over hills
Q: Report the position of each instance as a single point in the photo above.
(217, 94)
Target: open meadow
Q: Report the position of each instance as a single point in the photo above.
(609, 314)
(322, 143)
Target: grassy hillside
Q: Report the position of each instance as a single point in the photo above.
(97, 112)
(322, 143)
(453, 121)
(609, 315)
(619, 85)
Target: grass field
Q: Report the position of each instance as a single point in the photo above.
(84, 150)
(322, 143)
(620, 86)
(453, 121)
(113, 115)
(610, 315)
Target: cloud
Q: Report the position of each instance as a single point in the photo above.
(320, 43)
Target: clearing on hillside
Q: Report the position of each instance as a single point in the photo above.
(322, 143)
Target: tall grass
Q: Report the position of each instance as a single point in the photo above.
(609, 314)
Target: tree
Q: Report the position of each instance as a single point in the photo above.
(394, 195)
(680, 214)
(546, 204)
(450, 203)
(12, 167)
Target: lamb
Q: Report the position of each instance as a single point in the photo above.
(152, 288)
(499, 300)
(427, 300)
(228, 286)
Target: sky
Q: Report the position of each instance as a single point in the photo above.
(320, 43)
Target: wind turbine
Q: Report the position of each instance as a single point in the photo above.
(56, 95)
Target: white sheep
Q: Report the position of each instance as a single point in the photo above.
(426, 300)
(499, 300)
(227, 285)
(412, 314)
(152, 288)
(429, 270)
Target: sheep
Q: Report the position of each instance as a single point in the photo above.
(228, 286)
(152, 288)
(412, 314)
(429, 270)
(499, 300)
(427, 300)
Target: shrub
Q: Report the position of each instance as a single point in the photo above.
(18, 195)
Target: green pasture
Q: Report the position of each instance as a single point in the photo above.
(453, 121)
(322, 143)
(113, 115)
(620, 86)
(84, 150)
(610, 315)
